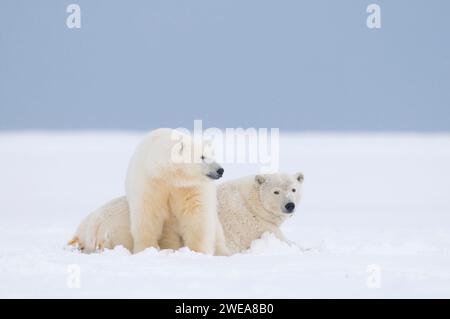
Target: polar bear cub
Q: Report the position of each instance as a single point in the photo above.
(251, 206)
(170, 177)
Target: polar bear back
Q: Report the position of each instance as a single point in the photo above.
(107, 227)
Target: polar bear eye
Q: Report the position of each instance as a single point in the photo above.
(276, 192)
(294, 190)
(203, 157)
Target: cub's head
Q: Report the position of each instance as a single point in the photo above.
(193, 160)
(279, 193)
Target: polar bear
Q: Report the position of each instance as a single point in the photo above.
(107, 227)
(170, 177)
(251, 206)
(247, 208)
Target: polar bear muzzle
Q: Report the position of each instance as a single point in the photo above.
(218, 173)
(289, 208)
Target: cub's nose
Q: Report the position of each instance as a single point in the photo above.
(220, 171)
(289, 207)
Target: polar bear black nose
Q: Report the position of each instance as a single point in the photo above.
(289, 207)
(220, 171)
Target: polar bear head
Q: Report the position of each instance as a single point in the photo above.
(279, 193)
(192, 159)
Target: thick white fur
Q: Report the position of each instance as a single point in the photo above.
(247, 208)
(107, 227)
(167, 180)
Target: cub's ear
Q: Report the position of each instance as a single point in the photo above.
(180, 147)
(259, 179)
(176, 153)
(299, 177)
(208, 147)
(207, 143)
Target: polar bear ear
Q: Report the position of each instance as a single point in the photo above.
(299, 177)
(208, 147)
(260, 179)
(179, 147)
(207, 143)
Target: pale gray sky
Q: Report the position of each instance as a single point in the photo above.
(296, 65)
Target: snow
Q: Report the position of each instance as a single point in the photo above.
(371, 201)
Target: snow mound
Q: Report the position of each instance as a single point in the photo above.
(269, 244)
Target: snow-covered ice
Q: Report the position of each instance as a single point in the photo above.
(371, 201)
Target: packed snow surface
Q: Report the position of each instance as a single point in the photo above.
(374, 222)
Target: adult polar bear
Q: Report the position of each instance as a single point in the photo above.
(251, 206)
(169, 180)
